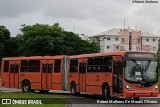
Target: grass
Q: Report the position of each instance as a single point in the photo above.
(56, 102)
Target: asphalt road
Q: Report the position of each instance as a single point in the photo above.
(83, 100)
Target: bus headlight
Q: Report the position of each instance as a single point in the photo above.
(155, 88)
(128, 87)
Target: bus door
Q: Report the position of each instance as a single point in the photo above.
(82, 77)
(117, 77)
(14, 75)
(46, 75)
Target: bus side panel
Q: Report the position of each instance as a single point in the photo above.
(5, 79)
(34, 78)
(90, 86)
(16, 81)
(101, 78)
(95, 81)
(57, 81)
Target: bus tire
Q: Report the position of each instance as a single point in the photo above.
(26, 86)
(105, 91)
(73, 89)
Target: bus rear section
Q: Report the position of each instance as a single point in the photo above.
(114, 74)
(42, 73)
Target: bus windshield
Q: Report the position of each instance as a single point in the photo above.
(141, 71)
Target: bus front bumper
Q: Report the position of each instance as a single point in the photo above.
(140, 93)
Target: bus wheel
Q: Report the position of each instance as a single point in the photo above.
(26, 86)
(105, 92)
(73, 89)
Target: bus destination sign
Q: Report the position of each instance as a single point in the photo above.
(140, 55)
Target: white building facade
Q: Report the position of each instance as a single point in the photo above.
(126, 39)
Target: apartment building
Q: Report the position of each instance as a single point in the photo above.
(126, 39)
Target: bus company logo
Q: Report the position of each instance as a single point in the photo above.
(6, 101)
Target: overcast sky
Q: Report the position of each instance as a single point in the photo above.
(86, 16)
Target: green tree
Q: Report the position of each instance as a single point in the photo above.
(42, 39)
(4, 38)
(11, 47)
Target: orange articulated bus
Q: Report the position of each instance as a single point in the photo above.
(112, 74)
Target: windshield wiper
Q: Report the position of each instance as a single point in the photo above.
(147, 65)
(136, 63)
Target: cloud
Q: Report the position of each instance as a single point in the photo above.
(16, 8)
(86, 16)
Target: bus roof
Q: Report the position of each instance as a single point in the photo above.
(121, 53)
(34, 58)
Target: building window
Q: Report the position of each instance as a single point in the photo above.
(154, 48)
(108, 47)
(116, 39)
(122, 47)
(147, 39)
(137, 48)
(117, 47)
(138, 40)
(108, 38)
(154, 40)
(122, 39)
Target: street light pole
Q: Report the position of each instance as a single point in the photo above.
(130, 41)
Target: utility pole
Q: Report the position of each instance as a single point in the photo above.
(130, 41)
(124, 23)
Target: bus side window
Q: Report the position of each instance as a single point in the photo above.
(74, 65)
(57, 66)
(34, 66)
(24, 66)
(90, 65)
(108, 64)
(98, 64)
(6, 66)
